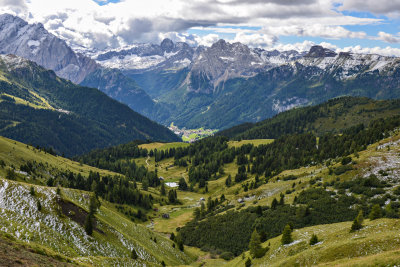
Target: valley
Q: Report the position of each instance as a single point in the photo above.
(144, 144)
(191, 135)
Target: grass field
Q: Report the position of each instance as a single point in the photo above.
(163, 146)
(255, 142)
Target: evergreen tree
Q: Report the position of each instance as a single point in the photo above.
(274, 203)
(32, 191)
(248, 262)
(162, 189)
(182, 184)
(172, 196)
(256, 250)
(228, 181)
(314, 239)
(357, 223)
(89, 224)
(376, 212)
(94, 204)
(134, 255)
(282, 199)
(390, 212)
(287, 235)
(172, 237)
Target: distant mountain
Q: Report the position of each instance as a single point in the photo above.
(213, 87)
(40, 108)
(332, 116)
(34, 42)
(229, 84)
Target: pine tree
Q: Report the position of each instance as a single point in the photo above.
(357, 223)
(39, 206)
(248, 262)
(314, 239)
(94, 204)
(89, 224)
(32, 191)
(228, 181)
(134, 255)
(274, 203)
(390, 212)
(376, 212)
(282, 200)
(162, 190)
(287, 235)
(256, 250)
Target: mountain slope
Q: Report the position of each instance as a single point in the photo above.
(228, 84)
(49, 111)
(55, 227)
(34, 42)
(332, 116)
(375, 245)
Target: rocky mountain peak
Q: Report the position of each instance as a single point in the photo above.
(34, 42)
(220, 44)
(319, 51)
(167, 45)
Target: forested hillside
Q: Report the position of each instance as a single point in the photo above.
(332, 116)
(39, 108)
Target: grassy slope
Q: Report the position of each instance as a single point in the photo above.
(376, 244)
(375, 158)
(379, 242)
(16, 153)
(58, 234)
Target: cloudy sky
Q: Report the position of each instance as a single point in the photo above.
(368, 26)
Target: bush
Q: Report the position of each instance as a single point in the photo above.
(342, 169)
(247, 263)
(314, 239)
(227, 255)
(346, 160)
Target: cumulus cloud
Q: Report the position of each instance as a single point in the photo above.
(253, 22)
(387, 37)
(383, 7)
(315, 30)
(256, 39)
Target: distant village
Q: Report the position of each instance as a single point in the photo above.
(191, 135)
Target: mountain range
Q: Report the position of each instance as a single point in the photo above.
(215, 87)
(228, 84)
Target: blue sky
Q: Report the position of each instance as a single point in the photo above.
(351, 25)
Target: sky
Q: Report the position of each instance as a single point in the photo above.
(364, 26)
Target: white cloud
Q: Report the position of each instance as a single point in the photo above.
(389, 8)
(84, 22)
(314, 30)
(306, 45)
(256, 39)
(208, 39)
(384, 51)
(387, 37)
